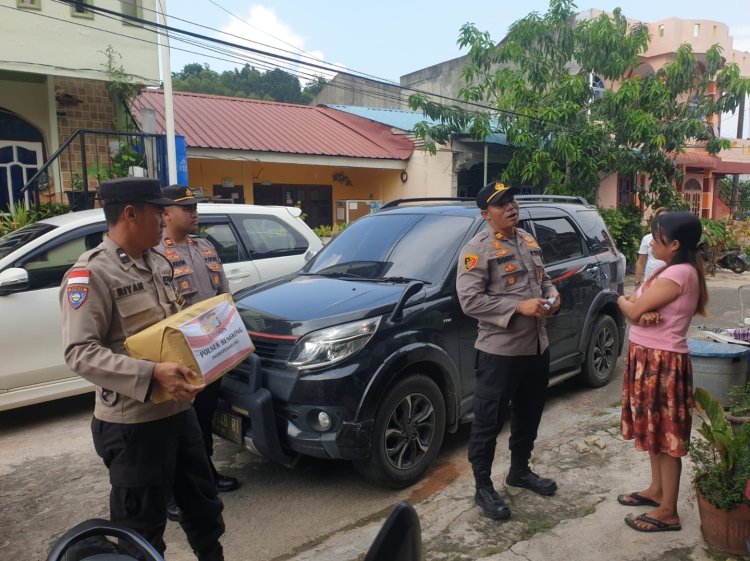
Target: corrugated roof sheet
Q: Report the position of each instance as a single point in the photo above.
(403, 119)
(230, 123)
(396, 118)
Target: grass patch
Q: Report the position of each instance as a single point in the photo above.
(598, 413)
(537, 527)
(617, 403)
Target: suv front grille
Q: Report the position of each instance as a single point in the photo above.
(272, 348)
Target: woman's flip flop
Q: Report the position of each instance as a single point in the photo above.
(634, 499)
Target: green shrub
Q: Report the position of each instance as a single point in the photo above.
(626, 227)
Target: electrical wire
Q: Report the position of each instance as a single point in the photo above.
(168, 28)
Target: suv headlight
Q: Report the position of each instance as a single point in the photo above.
(333, 344)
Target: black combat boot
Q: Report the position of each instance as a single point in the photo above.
(487, 498)
(215, 554)
(524, 477)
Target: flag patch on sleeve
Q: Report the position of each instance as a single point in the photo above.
(78, 277)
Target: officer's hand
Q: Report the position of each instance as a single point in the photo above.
(175, 379)
(554, 306)
(533, 307)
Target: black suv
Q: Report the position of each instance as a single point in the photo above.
(365, 355)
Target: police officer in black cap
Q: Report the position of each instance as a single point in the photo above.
(502, 283)
(113, 291)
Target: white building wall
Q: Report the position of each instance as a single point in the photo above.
(50, 40)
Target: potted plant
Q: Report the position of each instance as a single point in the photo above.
(721, 470)
(78, 199)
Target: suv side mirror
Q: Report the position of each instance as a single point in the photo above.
(13, 280)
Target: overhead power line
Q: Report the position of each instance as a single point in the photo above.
(172, 29)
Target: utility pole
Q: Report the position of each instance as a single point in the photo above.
(166, 76)
(735, 206)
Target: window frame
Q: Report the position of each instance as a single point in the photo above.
(35, 5)
(63, 238)
(85, 14)
(299, 238)
(138, 5)
(583, 245)
(224, 220)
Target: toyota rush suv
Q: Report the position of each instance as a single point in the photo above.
(365, 354)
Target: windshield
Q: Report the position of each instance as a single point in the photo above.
(396, 246)
(11, 242)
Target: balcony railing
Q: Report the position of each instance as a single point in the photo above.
(90, 156)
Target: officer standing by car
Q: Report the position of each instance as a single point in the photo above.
(501, 282)
(198, 275)
(113, 291)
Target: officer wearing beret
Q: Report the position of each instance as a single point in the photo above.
(198, 275)
(115, 290)
(501, 282)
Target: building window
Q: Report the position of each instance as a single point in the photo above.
(29, 4)
(714, 31)
(692, 193)
(625, 191)
(78, 9)
(661, 30)
(696, 29)
(133, 9)
(597, 86)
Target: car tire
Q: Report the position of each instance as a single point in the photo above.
(737, 266)
(407, 433)
(601, 353)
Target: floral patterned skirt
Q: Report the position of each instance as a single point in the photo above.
(657, 400)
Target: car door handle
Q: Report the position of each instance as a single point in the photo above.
(593, 269)
(235, 276)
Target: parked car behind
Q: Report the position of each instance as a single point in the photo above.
(255, 243)
(365, 354)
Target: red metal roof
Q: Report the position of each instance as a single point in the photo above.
(230, 123)
(697, 159)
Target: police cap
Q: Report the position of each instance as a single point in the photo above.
(132, 190)
(182, 196)
(494, 193)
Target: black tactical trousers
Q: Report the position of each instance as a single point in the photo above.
(501, 380)
(146, 461)
(205, 405)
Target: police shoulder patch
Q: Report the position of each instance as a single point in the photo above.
(470, 261)
(76, 295)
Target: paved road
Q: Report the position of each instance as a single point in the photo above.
(51, 478)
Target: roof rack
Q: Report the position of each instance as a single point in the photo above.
(398, 202)
(553, 199)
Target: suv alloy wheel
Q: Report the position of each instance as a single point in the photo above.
(601, 353)
(408, 433)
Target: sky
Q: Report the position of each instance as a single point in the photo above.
(388, 39)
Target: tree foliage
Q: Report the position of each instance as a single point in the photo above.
(536, 87)
(248, 82)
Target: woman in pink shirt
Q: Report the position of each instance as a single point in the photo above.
(657, 394)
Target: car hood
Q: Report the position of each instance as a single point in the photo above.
(298, 304)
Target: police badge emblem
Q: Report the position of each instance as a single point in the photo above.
(470, 261)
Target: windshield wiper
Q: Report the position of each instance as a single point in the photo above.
(336, 275)
(399, 280)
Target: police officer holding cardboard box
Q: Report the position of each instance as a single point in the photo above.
(502, 283)
(198, 275)
(115, 290)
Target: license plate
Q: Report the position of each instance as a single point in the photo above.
(228, 426)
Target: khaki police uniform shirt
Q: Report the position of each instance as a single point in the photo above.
(495, 273)
(198, 273)
(106, 297)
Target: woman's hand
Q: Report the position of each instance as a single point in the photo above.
(649, 318)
